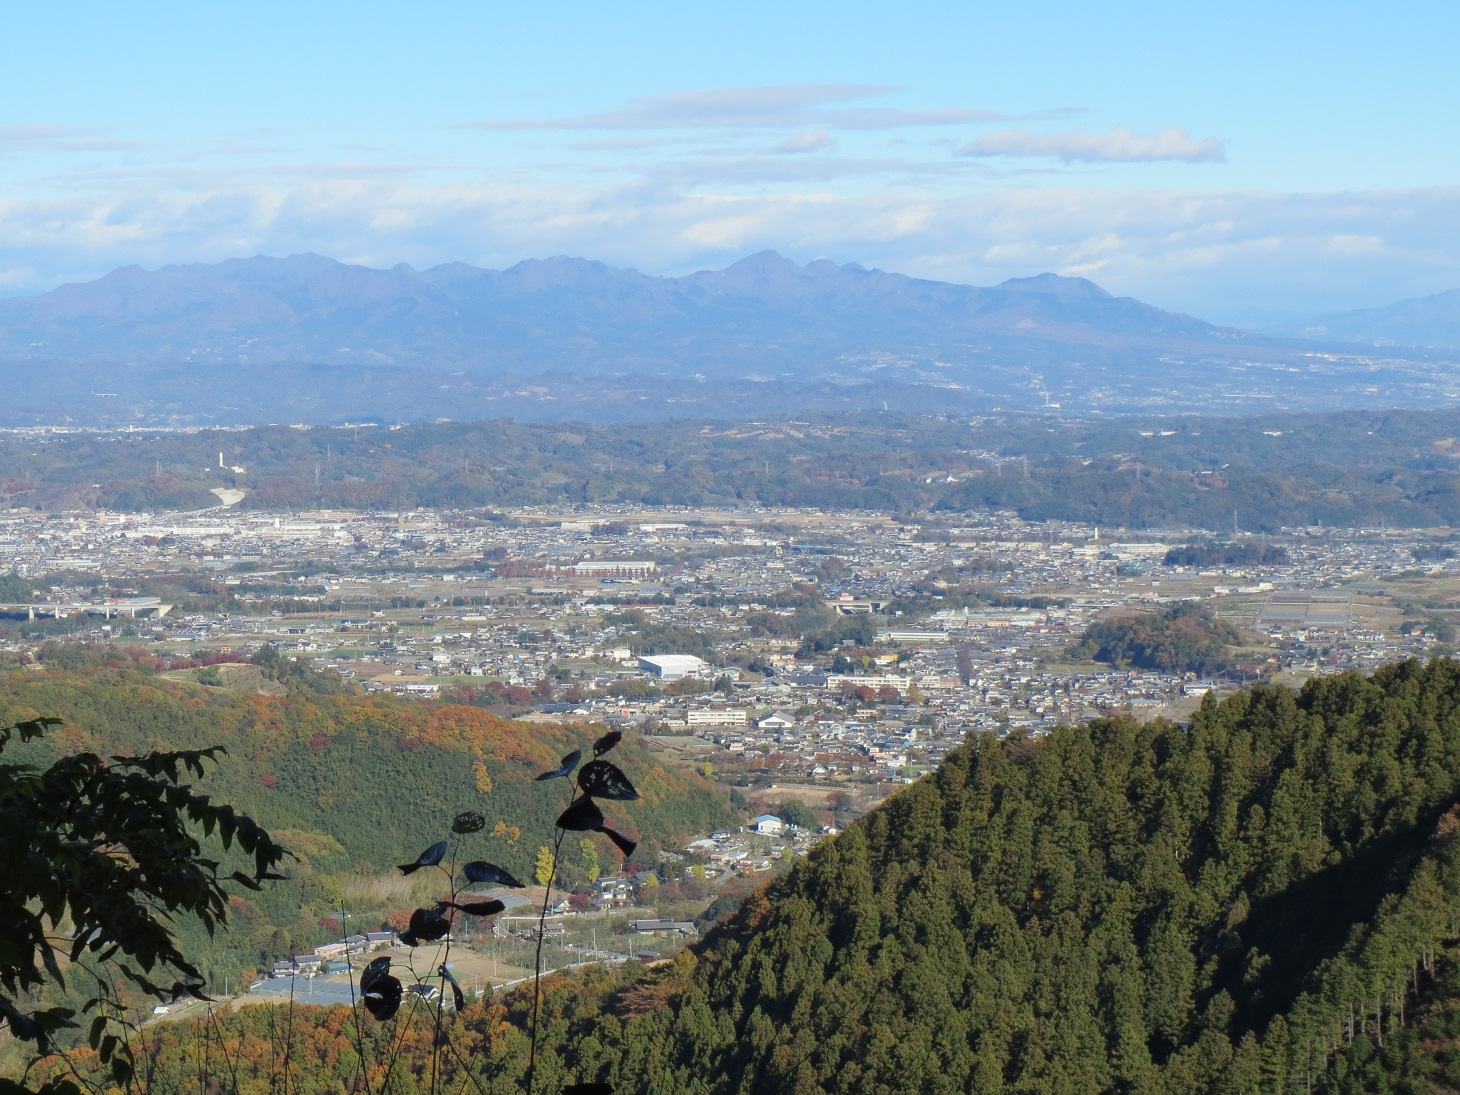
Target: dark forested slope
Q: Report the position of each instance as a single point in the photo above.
(1266, 900)
(1233, 906)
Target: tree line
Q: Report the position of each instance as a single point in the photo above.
(1341, 469)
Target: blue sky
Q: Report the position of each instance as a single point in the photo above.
(1236, 161)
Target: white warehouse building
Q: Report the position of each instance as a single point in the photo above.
(715, 716)
(673, 667)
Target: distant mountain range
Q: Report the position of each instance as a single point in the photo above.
(1432, 321)
(309, 338)
(764, 312)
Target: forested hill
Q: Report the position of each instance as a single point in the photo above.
(1247, 904)
(352, 784)
(376, 773)
(1264, 901)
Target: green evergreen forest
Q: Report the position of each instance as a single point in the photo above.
(1264, 900)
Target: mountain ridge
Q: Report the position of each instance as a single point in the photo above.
(1431, 321)
(307, 338)
(307, 307)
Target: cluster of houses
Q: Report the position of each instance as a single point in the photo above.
(325, 957)
(412, 603)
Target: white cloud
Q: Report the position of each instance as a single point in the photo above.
(881, 118)
(808, 140)
(1118, 146)
(776, 106)
(31, 135)
(745, 171)
(780, 105)
(57, 138)
(1355, 245)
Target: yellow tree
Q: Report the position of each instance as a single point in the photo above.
(590, 858)
(543, 868)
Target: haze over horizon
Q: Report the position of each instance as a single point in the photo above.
(1215, 165)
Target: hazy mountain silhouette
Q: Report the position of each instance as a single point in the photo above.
(1420, 321)
(764, 311)
(306, 338)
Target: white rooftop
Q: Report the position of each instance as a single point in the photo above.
(685, 662)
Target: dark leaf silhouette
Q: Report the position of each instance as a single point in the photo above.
(625, 845)
(604, 780)
(479, 870)
(456, 994)
(429, 858)
(427, 925)
(584, 816)
(490, 907)
(379, 991)
(468, 822)
(569, 763)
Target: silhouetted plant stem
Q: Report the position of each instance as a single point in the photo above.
(399, 1041)
(119, 1008)
(466, 1071)
(445, 955)
(273, 1053)
(223, 1048)
(537, 965)
(289, 1026)
(203, 1060)
(82, 1082)
(354, 1010)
